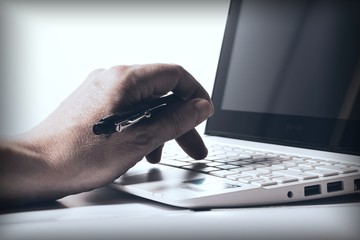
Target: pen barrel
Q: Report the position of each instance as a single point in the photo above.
(108, 124)
(103, 128)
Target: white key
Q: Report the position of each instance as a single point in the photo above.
(299, 175)
(214, 164)
(273, 168)
(345, 165)
(285, 179)
(300, 169)
(237, 176)
(329, 162)
(226, 167)
(342, 170)
(310, 164)
(288, 164)
(248, 179)
(257, 172)
(241, 169)
(279, 178)
(263, 183)
(198, 161)
(299, 159)
(322, 173)
(175, 163)
(222, 173)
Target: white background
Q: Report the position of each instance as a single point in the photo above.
(49, 47)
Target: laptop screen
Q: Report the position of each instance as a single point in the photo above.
(289, 73)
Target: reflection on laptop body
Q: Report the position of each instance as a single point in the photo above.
(287, 120)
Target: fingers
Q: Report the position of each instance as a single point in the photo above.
(192, 144)
(155, 156)
(175, 122)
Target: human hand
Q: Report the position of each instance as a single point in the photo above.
(74, 159)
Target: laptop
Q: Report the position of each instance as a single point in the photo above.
(287, 113)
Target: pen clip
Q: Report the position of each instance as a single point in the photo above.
(127, 123)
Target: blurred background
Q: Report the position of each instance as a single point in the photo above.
(47, 48)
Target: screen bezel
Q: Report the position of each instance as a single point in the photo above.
(335, 135)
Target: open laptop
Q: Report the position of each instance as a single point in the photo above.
(287, 112)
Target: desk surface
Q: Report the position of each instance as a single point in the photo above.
(108, 214)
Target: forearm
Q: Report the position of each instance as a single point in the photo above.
(25, 174)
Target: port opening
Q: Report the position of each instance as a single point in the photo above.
(357, 184)
(312, 190)
(335, 186)
(290, 194)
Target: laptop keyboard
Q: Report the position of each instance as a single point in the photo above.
(256, 167)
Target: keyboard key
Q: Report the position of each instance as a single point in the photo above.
(285, 179)
(300, 169)
(275, 162)
(248, 179)
(263, 183)
(322, 173)
(288, 165)
(284, 157)
(342, 170)
(272, 175)
(235, 177)
(298, 159)
(222, 173)
(213, 164)
(241, 169)
(345, 165)
(299, 175)
(256, 165)
(273, 168)
(200, 162)
(226, 167)
(328, 162)
(310, 164)
(257, 172)
(174, 163)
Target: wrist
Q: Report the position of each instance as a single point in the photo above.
(28, 171)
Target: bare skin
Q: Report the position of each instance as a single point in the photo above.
(62, 156)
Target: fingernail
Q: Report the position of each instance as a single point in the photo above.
(204, 110)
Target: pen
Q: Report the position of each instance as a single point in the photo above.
(119, 121)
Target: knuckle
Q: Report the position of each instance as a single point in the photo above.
(120, 69)
(127, 77)
(118, 72)
(179, 70)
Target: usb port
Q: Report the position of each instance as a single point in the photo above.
(357, 184)
(312, 190)
(335, 186)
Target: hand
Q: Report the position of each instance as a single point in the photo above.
(67, 158)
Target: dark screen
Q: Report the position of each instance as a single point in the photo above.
(289, 73)
(295, 58)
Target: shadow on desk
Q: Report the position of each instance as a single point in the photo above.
(110, 196)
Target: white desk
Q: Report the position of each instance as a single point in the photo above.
(108, 214)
